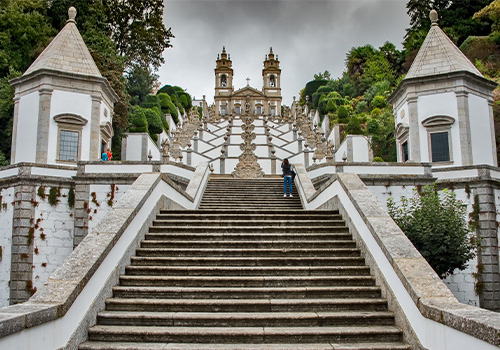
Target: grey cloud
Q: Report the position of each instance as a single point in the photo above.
(308, 35)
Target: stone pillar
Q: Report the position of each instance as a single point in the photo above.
(23, 234)
(82, 195)
(306, 157)
(492, 131)
(487, 254)
(42, 141)
(222, 161)
(299, 141)
(464, 127)
(14, 130)
(414, 136)
(95, 129)
(189, 152)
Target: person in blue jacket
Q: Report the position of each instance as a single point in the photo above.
(287, 176)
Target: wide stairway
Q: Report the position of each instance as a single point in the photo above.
(251, 270)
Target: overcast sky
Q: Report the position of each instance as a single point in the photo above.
(309, 36)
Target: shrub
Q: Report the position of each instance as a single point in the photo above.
(155, 125)
(311, 88)
(377, 160)
(353, 127)
(138, 120)
(437, 227)
(152, 101)
(378, 102)
(342, 114)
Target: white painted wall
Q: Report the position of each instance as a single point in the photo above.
(480, 129)
(100, 207)
(434, 105)
(6, 214)
(27, 126)
(134, 146)
(75, 103)
(57, 224)
(360, 148)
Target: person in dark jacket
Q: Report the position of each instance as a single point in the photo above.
(287, 176)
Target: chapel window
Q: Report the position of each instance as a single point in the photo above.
(68, 147)
(259, 110)
(404, 151)
(69, 136)
(440, 147)
(238, 110)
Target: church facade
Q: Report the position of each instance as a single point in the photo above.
(247, 99)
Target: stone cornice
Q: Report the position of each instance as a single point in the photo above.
(464, 75)
(103, 82)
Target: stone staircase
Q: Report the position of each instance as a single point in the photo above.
(250, 270)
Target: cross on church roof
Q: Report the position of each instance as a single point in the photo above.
(248, 81)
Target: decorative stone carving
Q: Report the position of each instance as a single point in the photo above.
(329, 152)
(248, 167)
(176, 151)
(165, 149)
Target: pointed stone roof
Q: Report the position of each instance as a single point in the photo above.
(67, 52)
(439, 55)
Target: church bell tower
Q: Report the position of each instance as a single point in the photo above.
(272, 84)
(224, 74)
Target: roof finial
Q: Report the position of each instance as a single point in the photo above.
(71, 14)
(271, 50)
(223, 49)
(433, 15)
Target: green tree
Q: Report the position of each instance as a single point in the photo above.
(138, 30)
(353, 127)
(323, 76)
(437, 227)
(25, 30)
(140, 82)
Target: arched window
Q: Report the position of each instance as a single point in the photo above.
(272, 81)
(69, 136)
(223, 80)
(439, 137)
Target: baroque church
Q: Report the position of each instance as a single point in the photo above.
(188, 243)
(261, 102)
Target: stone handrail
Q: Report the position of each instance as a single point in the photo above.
(61, 311)
(425, 306)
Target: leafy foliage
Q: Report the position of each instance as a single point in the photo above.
(437, 226)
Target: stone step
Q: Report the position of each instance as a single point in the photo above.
(247, 244)
(246, 319)
(258, 205)
(249, 223)
(158, 292)
(246, 305)
(245, 334)
(248, 261)
(247, 270)
(97, 345)
(247, 229)
(342, 233)
(287, 252)
(247, 215)
(246, 281)
(252, 213)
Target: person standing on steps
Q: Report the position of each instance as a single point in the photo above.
(286, 167)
